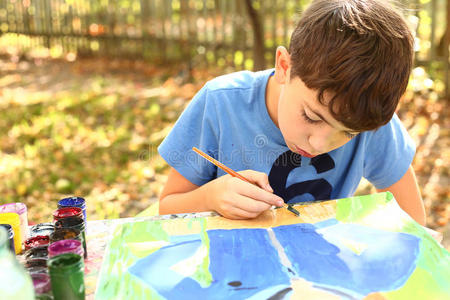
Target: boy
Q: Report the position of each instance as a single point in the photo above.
(307, 130)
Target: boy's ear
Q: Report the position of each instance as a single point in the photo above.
(282, 65)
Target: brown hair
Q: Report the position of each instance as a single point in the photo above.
(359, 51)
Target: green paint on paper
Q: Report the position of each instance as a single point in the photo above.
(420, 285)
(145, 231)
(433, 258)
(119, 257)
(202, 274)
(355, 208)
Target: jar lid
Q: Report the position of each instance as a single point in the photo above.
(72, 201)
(18, 207)
(64, 246)
(65, 212)
(37, 252)
(70, 222)
(36, 241)
(65, 234)
(42, 229)
(36, 263)
(65, 262)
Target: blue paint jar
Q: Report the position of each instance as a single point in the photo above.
(74, 202)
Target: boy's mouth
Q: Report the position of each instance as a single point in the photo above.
(303, 152)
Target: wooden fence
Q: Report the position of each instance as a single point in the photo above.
(220, 32)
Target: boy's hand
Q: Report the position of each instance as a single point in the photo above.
(234, 198)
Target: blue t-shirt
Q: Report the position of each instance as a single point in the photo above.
(228, 119)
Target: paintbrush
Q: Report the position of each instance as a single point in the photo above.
(234, 174)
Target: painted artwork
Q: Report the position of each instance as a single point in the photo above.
(353, 248)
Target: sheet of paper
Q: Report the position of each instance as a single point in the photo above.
(354, 247)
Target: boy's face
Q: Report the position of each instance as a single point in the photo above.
(307, 126)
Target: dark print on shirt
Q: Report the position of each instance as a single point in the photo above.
(320, 189)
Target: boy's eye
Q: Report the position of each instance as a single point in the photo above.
(308, 119)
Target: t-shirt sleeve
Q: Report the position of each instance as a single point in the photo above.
(389, 153)
(196, 127)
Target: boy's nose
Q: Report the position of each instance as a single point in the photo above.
(321, 140)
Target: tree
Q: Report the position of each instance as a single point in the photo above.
(258, 36)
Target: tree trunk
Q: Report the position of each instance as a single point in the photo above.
(445, 39)
(258, 37)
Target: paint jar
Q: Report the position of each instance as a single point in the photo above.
(38, 269)
(42, 229)
(41, 283)
(74, 223)
(36, 252)
(13, 220)
(21, 210)
(37, 262)
(36, 241)
(74, 202)
(10, 235)
(67, 276)
(65, 246)
(15, 282)
(65, 234)
(66, 212)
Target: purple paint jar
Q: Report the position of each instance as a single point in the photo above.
(74, 202)
(65, 246)
(41, 282)
(21, 210)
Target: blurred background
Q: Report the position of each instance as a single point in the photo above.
(89, 88)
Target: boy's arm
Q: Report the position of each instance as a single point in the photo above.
(407, 194)
(230, 196)
(176, 184)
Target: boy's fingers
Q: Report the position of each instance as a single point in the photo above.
(240, 214)
(256, 193)
(258, 178)
(251, 205)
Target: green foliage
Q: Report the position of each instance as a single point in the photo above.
(96, 137)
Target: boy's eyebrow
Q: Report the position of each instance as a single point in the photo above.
(325, 120)
(318, 114)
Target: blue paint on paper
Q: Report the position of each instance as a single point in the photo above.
(326, 223)
(243, 257)
(175, 239)
(386, 261)
(155, 268)
(349, 259)
(246, 255)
